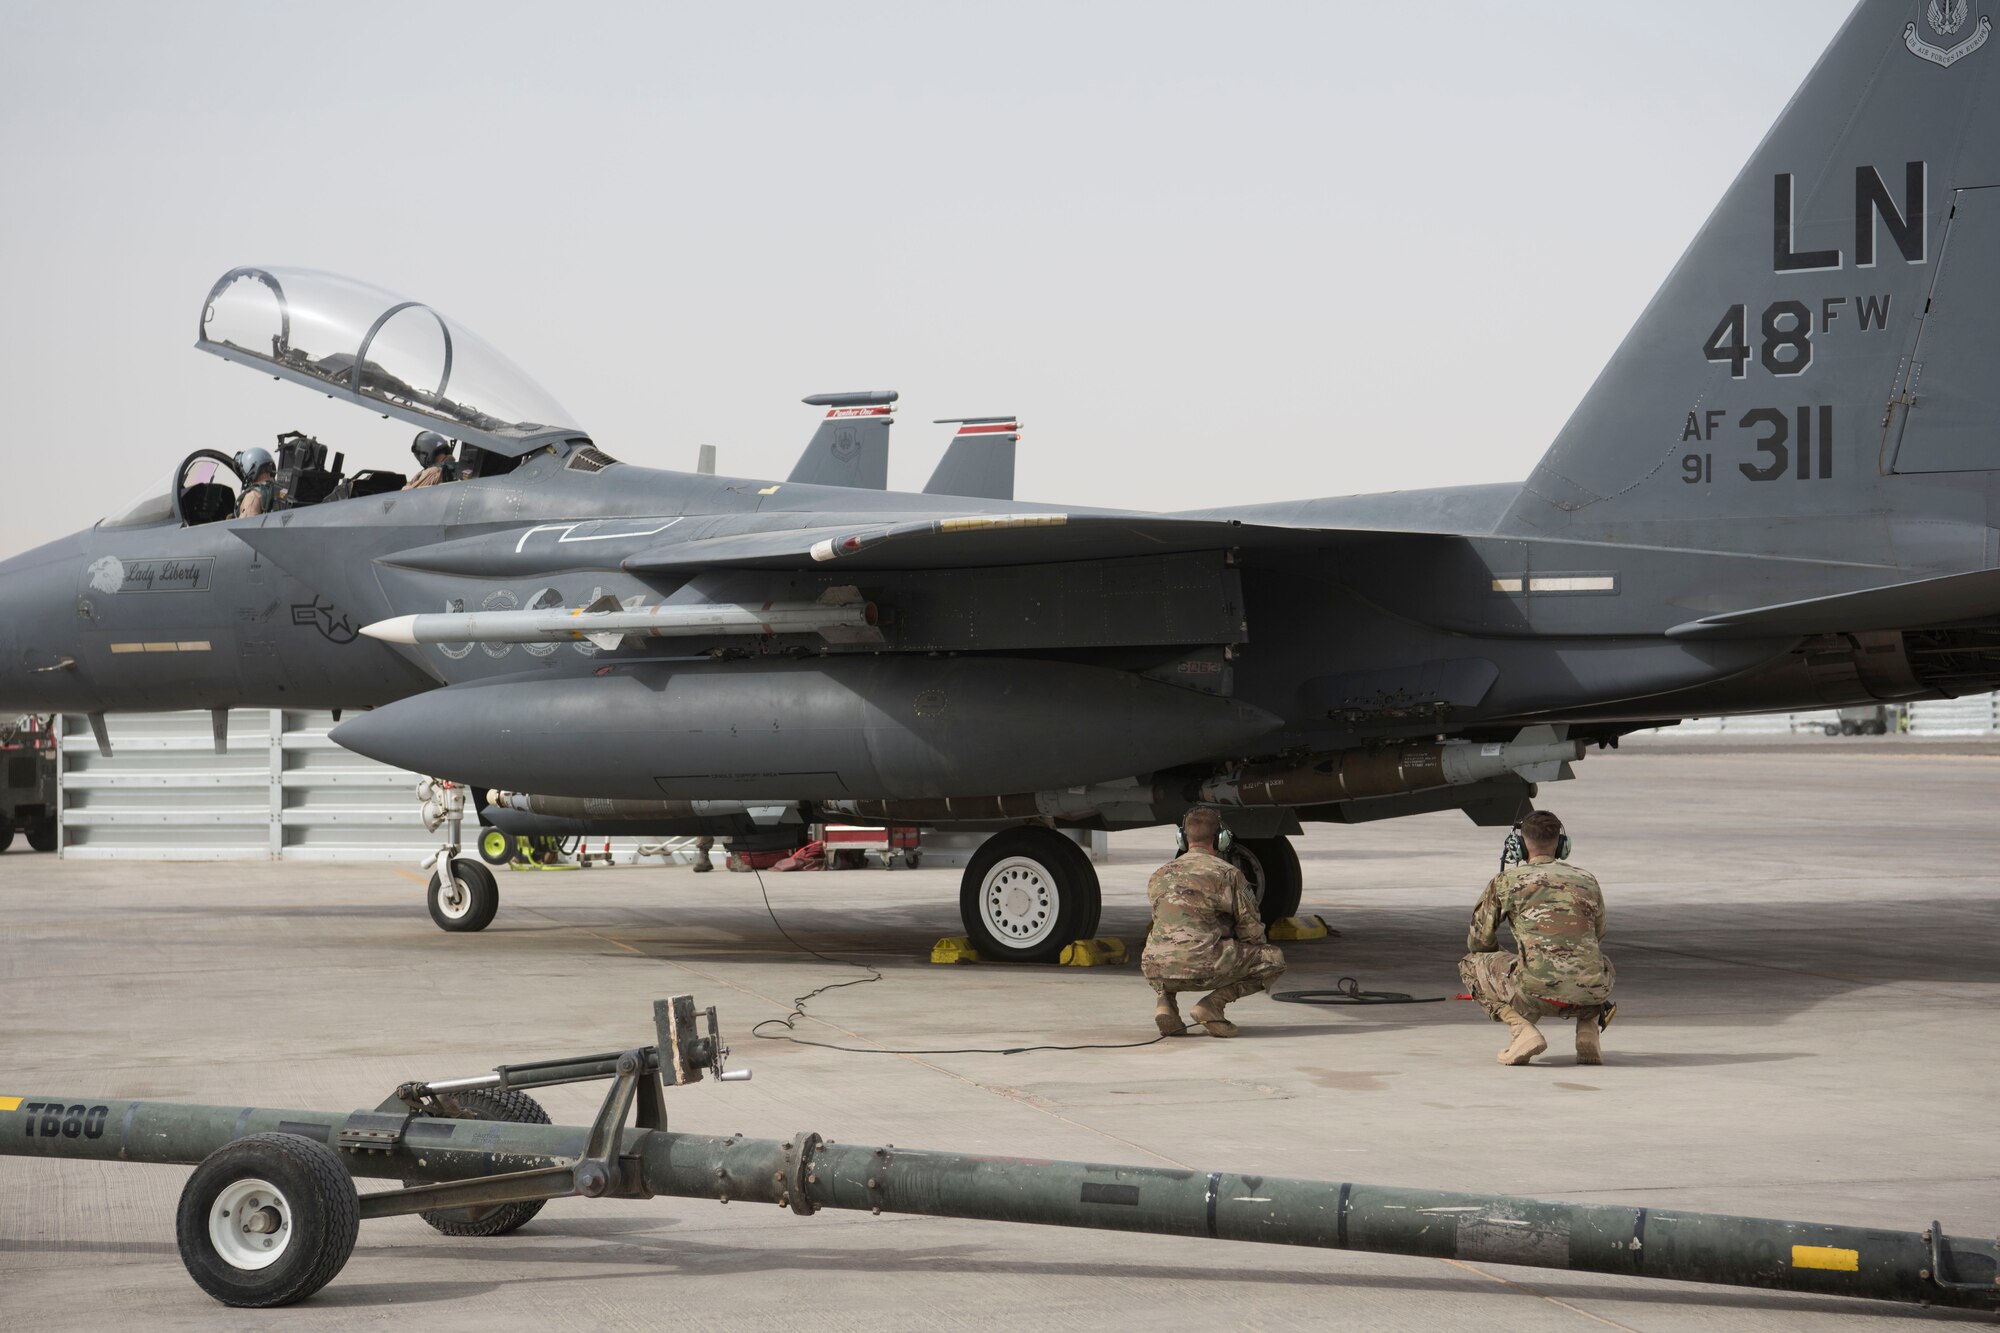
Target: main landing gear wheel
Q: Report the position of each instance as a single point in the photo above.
(1272, 868)
(267, 1220)
(1026, 893)
(516, 1108)
(495, 847)
(465, 898)
(1090, 900)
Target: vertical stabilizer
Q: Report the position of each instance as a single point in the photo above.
(979, 462)
(1816, 375)
(851, 446)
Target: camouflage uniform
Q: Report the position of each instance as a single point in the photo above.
(1207, 934)
(430, 476)
(1557, 914)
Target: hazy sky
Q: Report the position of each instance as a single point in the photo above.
(1209, 253)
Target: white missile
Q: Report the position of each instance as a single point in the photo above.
(840, 616)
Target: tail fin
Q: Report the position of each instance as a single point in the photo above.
(979, 462)
(1826, 347)
(851, 446)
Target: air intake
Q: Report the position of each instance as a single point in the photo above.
(588, 458)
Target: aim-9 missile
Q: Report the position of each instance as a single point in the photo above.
(839, 616)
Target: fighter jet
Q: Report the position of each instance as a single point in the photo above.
(1779, 494)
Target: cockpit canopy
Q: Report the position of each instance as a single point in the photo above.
(350, 340)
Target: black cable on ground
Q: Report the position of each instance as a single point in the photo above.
(875, 974)
(1348, 991)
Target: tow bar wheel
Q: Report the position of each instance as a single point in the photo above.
(502, 1104)
(465, 898)
(267, 1220)
(250, 1223)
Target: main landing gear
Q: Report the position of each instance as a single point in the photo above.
(1026, 894)
(1272, 868)
(1029, 891)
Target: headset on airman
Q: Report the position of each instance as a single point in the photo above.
(1224, 839)
(1515, 851)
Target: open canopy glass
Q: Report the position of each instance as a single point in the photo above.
(355, 341)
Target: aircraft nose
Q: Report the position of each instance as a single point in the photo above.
(39, 652)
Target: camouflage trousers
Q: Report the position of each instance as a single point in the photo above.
(1247, 969)
(1492, 979)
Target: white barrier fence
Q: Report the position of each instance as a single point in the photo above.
(1974, 715)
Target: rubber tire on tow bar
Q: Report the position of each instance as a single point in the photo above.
(1037, 862)
(42, 835)
(314, 1200)
(496, 848)
(481, 897)
(1272, 868)
(515, 1108)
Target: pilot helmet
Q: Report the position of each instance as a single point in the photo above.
(428, 446)
(251, 463)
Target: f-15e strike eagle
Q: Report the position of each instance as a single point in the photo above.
(1780, 494)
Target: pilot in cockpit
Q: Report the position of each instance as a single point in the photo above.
(433, 453)
(259, 472)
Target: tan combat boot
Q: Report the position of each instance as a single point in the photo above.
(1528, 1039)
(1167, 1016)
(1589, 1044)
(1208, 1013)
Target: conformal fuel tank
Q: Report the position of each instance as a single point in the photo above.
(882, 728)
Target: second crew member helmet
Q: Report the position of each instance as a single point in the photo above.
(250, 464)
(429, 446)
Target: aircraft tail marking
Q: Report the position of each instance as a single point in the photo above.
(851, 446)
(1824, 347)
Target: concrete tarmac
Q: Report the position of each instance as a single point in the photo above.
(1808, 959)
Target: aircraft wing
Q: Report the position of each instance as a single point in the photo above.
(964, 541)
(1942, 600)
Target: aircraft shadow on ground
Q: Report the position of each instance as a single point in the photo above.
(1707, 963)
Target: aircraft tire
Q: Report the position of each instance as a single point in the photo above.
(295, 1184)
(514, 1108)
(1021, 895)
(1090, 900)
(472, 906)
(1272, 868)
(43, 835)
